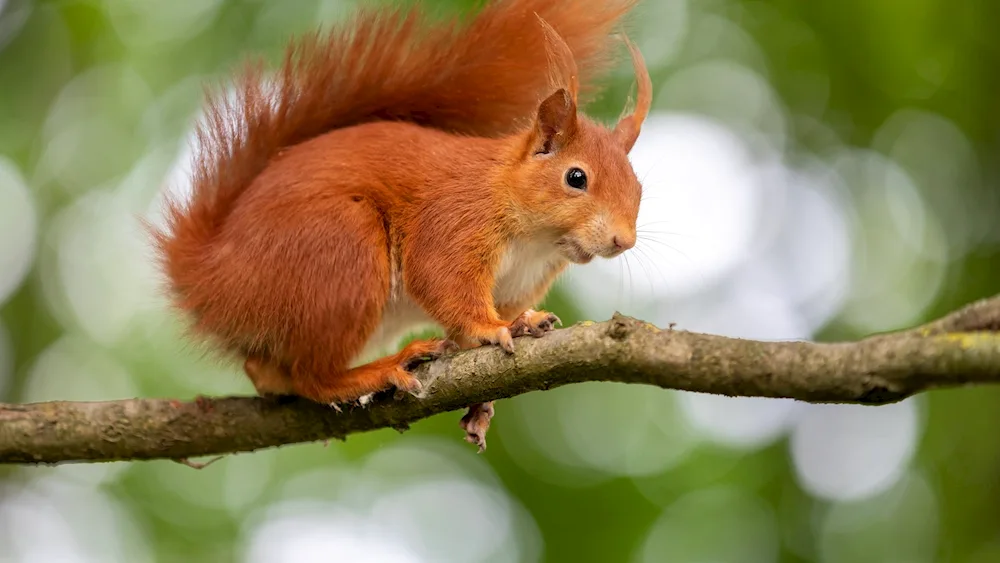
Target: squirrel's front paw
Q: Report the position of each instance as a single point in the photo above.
(535, 323)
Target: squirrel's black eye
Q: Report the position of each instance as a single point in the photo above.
(576, 179)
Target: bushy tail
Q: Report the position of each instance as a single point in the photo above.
(483, 76)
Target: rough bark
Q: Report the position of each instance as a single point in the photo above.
(962, 348)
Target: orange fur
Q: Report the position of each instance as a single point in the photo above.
(397, 172)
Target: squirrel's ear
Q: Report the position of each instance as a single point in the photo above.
(555, 124)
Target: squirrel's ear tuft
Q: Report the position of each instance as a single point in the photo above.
(555, 124)
(627, 130)
(562, 65)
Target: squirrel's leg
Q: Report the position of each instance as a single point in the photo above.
(464, 304)
(523, 320)
(476, 421)
(323, 301)
(459, 297)
(379, 375)
(393, 371)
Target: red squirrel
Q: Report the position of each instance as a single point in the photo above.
(400, 171)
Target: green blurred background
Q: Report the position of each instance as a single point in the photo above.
(813, 170)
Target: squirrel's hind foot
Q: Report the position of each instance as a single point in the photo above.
(476, 423)
(360, 385)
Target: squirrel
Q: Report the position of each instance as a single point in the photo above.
(400, 171)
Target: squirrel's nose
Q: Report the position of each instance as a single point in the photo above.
(623, 242)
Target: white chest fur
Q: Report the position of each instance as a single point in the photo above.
(522, 268)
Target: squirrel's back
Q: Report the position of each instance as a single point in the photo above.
(484, 77)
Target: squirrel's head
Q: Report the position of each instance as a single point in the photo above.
(574, 177)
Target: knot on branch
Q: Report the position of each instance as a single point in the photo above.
(621, 326)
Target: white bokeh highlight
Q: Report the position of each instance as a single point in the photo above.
(56, 519)
(803, 256)
(99, 272)
(448, 520)
(73, 369)
(900, 251)
(623, 429)
(98, 108)
(313, 532)
(18, 228)
(102, 265)
(852, 452)
(731, 93)
(941, 159)
(378, 511)
(587, 433)
(740, 423)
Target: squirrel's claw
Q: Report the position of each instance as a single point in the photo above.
(408, 385)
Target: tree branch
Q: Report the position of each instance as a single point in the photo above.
(959, 349)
